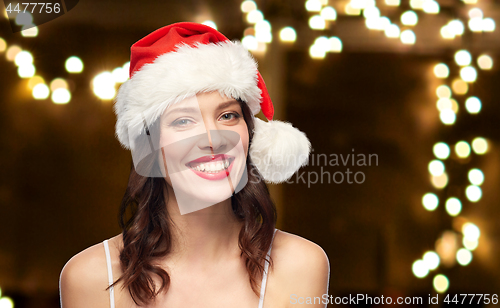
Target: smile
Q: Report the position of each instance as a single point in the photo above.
(212, 167)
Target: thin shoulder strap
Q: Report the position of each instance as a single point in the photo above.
(110, 275)
(264, 276)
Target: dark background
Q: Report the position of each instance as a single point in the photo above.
(62, 172)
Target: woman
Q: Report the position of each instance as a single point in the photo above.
(198, 222)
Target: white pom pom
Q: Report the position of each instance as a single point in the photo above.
(278, 150)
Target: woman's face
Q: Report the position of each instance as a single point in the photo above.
(204, 144)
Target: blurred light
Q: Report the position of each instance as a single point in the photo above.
(440, 283)
(447, 32)
(408, 37)
(30, 32)
(447, 116)
(126, 67)
(409, 18)
(476, 24)
(473, 105)
(456, 27)
(264, 37)
(441, 150)
(488, 25)
(3, 45)
(262, 26)
(335, 44)
(104, 85)
(480, 145)
(441, 70)
(34, 81)
(431, 7)
(248, 6)
(24, 18)
(454, 105)
(328, 13)
(120, 75)
(443, 91)
(475, 13)
(468, 74)
(61, 96)
(349, 10)
(323, 43)
(316, 52)
(261, 48)
(6, 302)
(436, 167)
(288, 34)
(40, 91)
(459, 86)
(462, 149)
(392, 2)
(371, 12)
(473, 193)
(392, 31)
(420, 269)
(210, 23)
(12, 52)
(58, 83)
(417, 4)
(470, 1)
(317, 22)
(444, 103)
(431, 260)
(430, 201)
(250, 42)
(453, 206)
(26, 71)
(74, 65)
(254, 16)
(463, 57)
(23, 58)
(359, 4)
(313, 5)
(464, 256)
(324, 2)
(471, 231)
(476, 176)
(440, 181)
(470, 244)
(485, 62)
(383, 23)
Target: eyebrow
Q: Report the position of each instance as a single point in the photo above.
(194, 110)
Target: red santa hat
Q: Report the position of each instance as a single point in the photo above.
(180, 60)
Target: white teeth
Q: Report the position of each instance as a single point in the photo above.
(212, 167)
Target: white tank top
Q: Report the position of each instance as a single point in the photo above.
(110, 275)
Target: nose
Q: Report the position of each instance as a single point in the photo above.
(213, 139)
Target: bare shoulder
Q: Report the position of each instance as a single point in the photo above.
(300, 268)
(84, 279)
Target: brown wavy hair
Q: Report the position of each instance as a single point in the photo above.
(146, 224)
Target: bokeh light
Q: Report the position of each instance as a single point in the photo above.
(473, 105)
(480, 145)
(453, 206)
(409, 18)
(463, 57)
(464, 256)
(459, 86)
(431, 260)
(430, 201)
(420, 269)
(441, 150)
(462, 149)
(443, 91)
(473, 193)
(408, 37)
(441, 70)
(440, 283)
(439, 181)
(476, 176)
(485, 62)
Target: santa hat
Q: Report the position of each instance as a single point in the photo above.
(180, 60)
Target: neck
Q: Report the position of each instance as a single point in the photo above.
(206, 235)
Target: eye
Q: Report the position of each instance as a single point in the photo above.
(181, 123)
(230, 116)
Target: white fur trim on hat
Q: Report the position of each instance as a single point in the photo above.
(226, 67)
(278, 150)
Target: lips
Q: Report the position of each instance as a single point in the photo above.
(210, 167)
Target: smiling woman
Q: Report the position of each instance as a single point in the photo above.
(197, 218)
